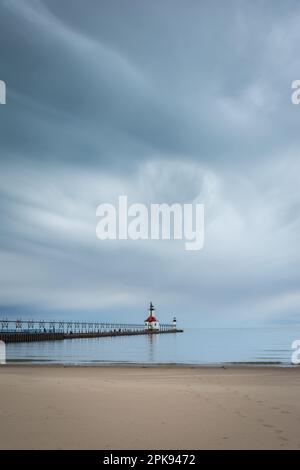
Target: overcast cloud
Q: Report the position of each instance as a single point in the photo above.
(164, 101)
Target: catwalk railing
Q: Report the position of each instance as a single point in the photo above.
(73, 327)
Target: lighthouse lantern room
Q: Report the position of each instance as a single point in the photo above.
(151, 323)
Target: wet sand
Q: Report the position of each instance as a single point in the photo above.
(167, 407)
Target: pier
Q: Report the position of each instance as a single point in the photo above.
(19, 331)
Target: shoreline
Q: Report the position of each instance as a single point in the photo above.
(158, 365)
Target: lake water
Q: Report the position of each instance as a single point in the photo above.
(193, 346)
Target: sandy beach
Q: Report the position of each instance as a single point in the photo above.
(167, 407)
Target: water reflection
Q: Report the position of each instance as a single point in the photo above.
(152, 345)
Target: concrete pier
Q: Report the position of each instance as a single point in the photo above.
(24, 337)
(25, 331)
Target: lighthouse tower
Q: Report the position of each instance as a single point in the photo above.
(151, 323)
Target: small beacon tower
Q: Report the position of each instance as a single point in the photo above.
(174, 323)
(151, 323)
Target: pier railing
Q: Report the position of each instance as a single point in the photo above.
(71, 327)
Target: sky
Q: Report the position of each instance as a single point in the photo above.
(167, 101)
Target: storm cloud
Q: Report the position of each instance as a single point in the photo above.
(164, 101)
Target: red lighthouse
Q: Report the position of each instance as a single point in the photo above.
(151, 323)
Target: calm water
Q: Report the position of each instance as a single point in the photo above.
(194, 346)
